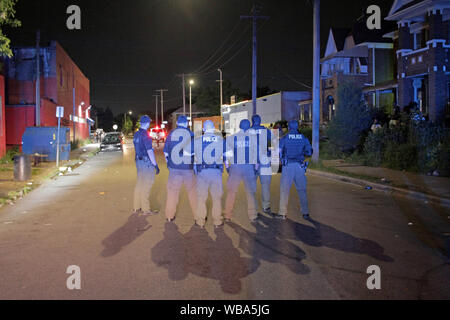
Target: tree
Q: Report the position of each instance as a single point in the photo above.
(7, 18)
(127, 125)
(352, 120)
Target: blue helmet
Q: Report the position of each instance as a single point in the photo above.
(256, 119)
(145, 119)
(293, 125)
(208, 125)
(245, 125)
(182, 119)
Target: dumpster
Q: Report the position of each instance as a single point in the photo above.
(22, 168)
(43, 141)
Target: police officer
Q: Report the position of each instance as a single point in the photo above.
(146, 166)
(209, 160)
(293, 149)
(241, 163)
(264, 170)
(179, 151)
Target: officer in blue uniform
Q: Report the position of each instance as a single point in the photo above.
(209, 161)
(241, 163)
(179, 152)
(293, 149)
(264, 169)
(146, 166)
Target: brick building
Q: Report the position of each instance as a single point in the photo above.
(362, 57)
(422, 42)
(62, 84)
(2, 117)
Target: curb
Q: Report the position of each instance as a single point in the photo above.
(381, 187)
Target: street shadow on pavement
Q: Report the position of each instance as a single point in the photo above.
(130, 231)
(195, 252)
(321, 235)
(266, 245)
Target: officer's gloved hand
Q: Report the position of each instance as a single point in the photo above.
(157, 169)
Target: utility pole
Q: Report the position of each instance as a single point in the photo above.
(162, 103)
(183, 85)
(221, 98)
(255, 16)
(156, 115)
(316, 82)
(73, 98)
(38, 79)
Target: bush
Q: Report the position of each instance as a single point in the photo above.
(352, 120)
(400, 157)
(307, 132)
(9, 156)
(444, 158)
(373, 148)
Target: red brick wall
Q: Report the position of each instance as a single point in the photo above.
(19, 117)
(69, 75)
(2, 117)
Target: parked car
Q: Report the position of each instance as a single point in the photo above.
(112, 141)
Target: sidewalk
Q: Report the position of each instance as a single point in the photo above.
(11, 190)
(384, 179)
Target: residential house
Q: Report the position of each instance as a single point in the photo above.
(422, 46)
(362, 57)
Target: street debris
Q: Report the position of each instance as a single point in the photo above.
(8, 222)
(62, 169)
(410, 224)
(368, 188)
(102, 193)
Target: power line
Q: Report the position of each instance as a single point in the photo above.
(212, 65)
(219, 48)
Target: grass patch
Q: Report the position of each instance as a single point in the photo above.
(9, 156)
(321, 167)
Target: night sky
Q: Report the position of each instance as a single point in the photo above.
(129, 49)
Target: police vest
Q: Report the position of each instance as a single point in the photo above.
(139, 144)
(294, 147)
(184, 141)
(242, 149)
(212, 152)
(262, 133)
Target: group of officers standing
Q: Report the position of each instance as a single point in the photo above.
(199, 162)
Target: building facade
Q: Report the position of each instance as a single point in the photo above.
(283, 105)
(2, 117)
(362, 57)
(61, 84)
(422, 42)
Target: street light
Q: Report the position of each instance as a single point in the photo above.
(115, 127)
(191, 82)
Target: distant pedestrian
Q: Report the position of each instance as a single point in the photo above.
(375, 126)
(293, 148)
(264, 171)
(179, 153)
(241, 168)
(209, 162)
(146, 167)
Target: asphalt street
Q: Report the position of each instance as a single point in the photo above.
(85, 219)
